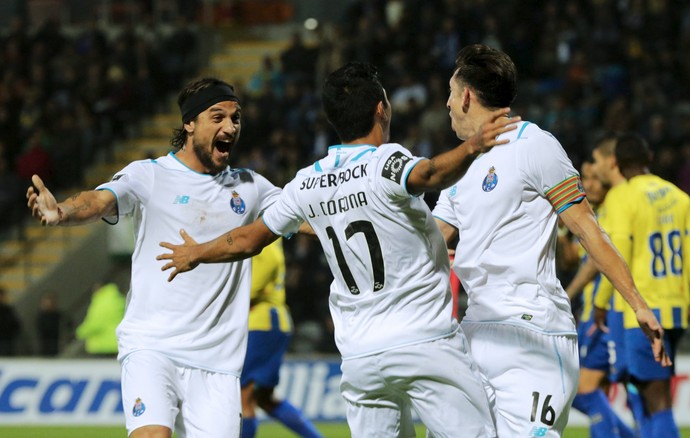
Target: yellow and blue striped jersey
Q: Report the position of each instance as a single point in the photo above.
(589, 291)
(268, 290)
(650, 229)
(615, 197)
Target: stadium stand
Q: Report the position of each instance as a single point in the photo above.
(586, 66)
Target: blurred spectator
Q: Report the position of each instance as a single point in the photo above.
(105, 312)
(11, 196)
(10, 326)
(49, 324)
(268, 76)
(297, 60)
(35, 159)
(585, 66)
(179, 49)
(83, 88)
(66, 151)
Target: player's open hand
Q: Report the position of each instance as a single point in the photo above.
(488, 133)
(182, 256)
(599, 316)
(655, 333)
(42, 203)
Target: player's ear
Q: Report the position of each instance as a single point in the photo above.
(381, 111)
(614, 162)
(466, 98)
(189, 127)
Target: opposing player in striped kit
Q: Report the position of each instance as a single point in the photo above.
(505, 211)
(649, 226)
(597, 347)
(390, 299)
(270, 331)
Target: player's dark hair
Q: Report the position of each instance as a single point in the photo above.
(179, 137)
(350, 96)
(632, 151)
(605, 143)
(489, 72)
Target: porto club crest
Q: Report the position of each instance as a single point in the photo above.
(490, 180)
(139, 407)
(237, 203)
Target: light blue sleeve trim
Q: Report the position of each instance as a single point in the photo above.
(522, 130)
(317, 167)
(570, 204)
(117, 202)
(407, 175)
(287, 236)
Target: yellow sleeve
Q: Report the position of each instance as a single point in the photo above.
(614, 218)
(602, 298)
(268, 291)
(686, 259)
(265, 266)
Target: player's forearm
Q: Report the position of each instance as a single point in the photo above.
(230, 247)
(580, 219)
(442, 170)
(609, 262)
(85, 207)
(238, 244)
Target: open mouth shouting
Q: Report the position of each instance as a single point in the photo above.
(223, 145)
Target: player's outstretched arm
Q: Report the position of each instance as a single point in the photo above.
(79, 209)
(444, 169)
(581, 221)
(237, 244)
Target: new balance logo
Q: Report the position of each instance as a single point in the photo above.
(180, 199)
(538, 431)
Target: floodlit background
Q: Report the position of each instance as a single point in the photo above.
(89, 86)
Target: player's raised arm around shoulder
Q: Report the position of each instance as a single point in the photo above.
(581, 221)
(444, 169)
(237, 244)
(78, 209)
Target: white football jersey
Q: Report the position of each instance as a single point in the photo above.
(200, 318)
(388, 258)
(505, 209)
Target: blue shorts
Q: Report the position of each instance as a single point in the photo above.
(617, 354)
(594, 348)
(265, 351)
(642, 366)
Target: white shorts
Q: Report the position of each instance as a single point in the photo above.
(437, 379)
(191, 401)
(534, 376)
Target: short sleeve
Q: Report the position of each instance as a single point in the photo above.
(268, 193)
(444, 207)
(283, 217)
(394, 166)
(131, 186)
(550, 172)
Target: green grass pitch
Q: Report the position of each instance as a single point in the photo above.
(266, 430)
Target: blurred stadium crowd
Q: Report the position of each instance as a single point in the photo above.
(585, 67)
